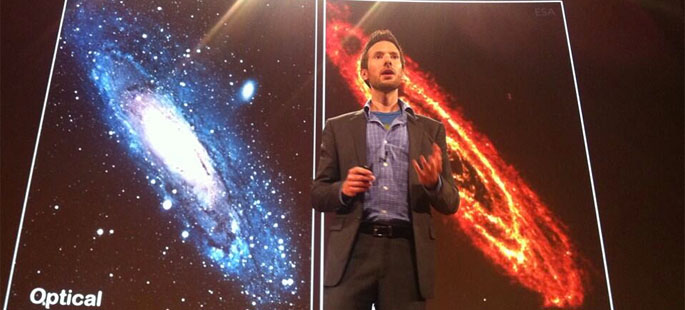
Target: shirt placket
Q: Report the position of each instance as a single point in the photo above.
(387, 156)
(384, 158)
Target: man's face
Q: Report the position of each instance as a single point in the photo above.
(384, 70)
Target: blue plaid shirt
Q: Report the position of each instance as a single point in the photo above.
(387, 153)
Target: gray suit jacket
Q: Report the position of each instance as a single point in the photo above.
(343, 147)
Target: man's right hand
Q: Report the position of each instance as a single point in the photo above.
(358, 181)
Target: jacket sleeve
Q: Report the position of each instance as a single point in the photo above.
(325, 191)
(446, 198)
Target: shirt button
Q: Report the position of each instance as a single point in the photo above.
(385, 187)
(385, 141)
(385, 164)
(384, 211)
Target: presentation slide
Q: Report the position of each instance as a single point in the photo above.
(500, 78)
(178, 143)
(174, 161)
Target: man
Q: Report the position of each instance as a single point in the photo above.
(379, 239)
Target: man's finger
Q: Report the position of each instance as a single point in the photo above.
(416, 166)
(437, 162)
(360, 170)
(359, 177)
(437, 152)
(351, 190)
(358, 184)
(421, 174)
(436, 148)
(428, 169)
(354, 177)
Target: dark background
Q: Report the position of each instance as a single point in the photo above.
(629, 65)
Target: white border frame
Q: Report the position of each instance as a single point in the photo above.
(314, 148)
(580, 114)
(33, 160)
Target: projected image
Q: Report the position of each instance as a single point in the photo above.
(174, 160)
(499, 77)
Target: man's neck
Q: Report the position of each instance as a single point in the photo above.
(384, 102)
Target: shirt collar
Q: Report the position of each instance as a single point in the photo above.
(404, 107)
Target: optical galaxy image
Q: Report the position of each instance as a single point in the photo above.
(174, 160)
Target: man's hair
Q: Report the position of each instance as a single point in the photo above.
(375, 37)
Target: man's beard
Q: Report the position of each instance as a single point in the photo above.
(385, 87)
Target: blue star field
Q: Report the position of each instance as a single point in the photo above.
(174, 110)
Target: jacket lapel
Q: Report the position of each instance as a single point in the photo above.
(415, 132)
(358, 131)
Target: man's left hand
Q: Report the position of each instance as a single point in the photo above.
(430, 169)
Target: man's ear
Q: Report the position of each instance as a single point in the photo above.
(364, 74)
